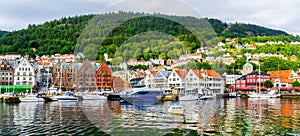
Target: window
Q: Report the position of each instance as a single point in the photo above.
(18, 78)
(29, 78)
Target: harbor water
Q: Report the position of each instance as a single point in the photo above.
(210, 117)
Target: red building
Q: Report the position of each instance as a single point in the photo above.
(119, 84)
(251, 81)
(104, 78)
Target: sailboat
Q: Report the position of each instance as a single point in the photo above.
(270, 94)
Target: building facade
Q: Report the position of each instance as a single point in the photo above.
(6, 73)
(104, 78)
(87, 77)
(25, 74)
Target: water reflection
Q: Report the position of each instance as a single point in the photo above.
(216, 117)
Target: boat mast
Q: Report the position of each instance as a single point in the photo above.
(279, 85)
(258, 77)
(60, 78)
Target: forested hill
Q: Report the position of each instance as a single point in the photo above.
(2, 32)
(242, 30)
(60, 36)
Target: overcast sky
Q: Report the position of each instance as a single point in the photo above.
(283, 14)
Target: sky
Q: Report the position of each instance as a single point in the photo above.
(282, 15)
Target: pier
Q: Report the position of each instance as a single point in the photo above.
(10, 99)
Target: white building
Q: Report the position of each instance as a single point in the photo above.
(213, 81)
(231, 77)
(194, 79)
(160, 79)
(149, 78)
(25, 74)
(176, 78)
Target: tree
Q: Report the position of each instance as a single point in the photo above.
(268, 84)
(296, 84)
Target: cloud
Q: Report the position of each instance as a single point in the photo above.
(269, 13)
(16, 14)
(283, 15)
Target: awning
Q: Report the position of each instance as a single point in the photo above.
(16, 87)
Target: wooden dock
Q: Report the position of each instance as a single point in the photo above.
(10, 99)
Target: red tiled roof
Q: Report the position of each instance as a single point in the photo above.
(153, 73)
(283, 75)
(213, 74)
(198, 73)
(181, 73)
(118, 79)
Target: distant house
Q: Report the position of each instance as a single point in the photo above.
(254, 60)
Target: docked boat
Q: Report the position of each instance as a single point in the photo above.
(93, 96)
(232, 95)
(140, 94)
(32, 98)
(176, 108)
(188, 97)
(188, 94)
(65, 97)
(206, 97)
(206, 94)
(270, 94)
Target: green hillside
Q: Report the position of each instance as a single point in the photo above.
(60, 36)
(2, 32)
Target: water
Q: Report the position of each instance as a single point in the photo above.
(212, 117)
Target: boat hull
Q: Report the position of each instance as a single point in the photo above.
(32, 99)
(94, 97)
(65, 98)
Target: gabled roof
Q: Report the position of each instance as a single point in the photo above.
(96, 67)
(153, 73)
(258, 73)
(280, 73)
(283, 75)
(181, 73)
(212, 73)
(64, 65)
(118, 79)
(77, 66)
(163, 73)
(198, 73)
(234, 73)
(243, 77)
